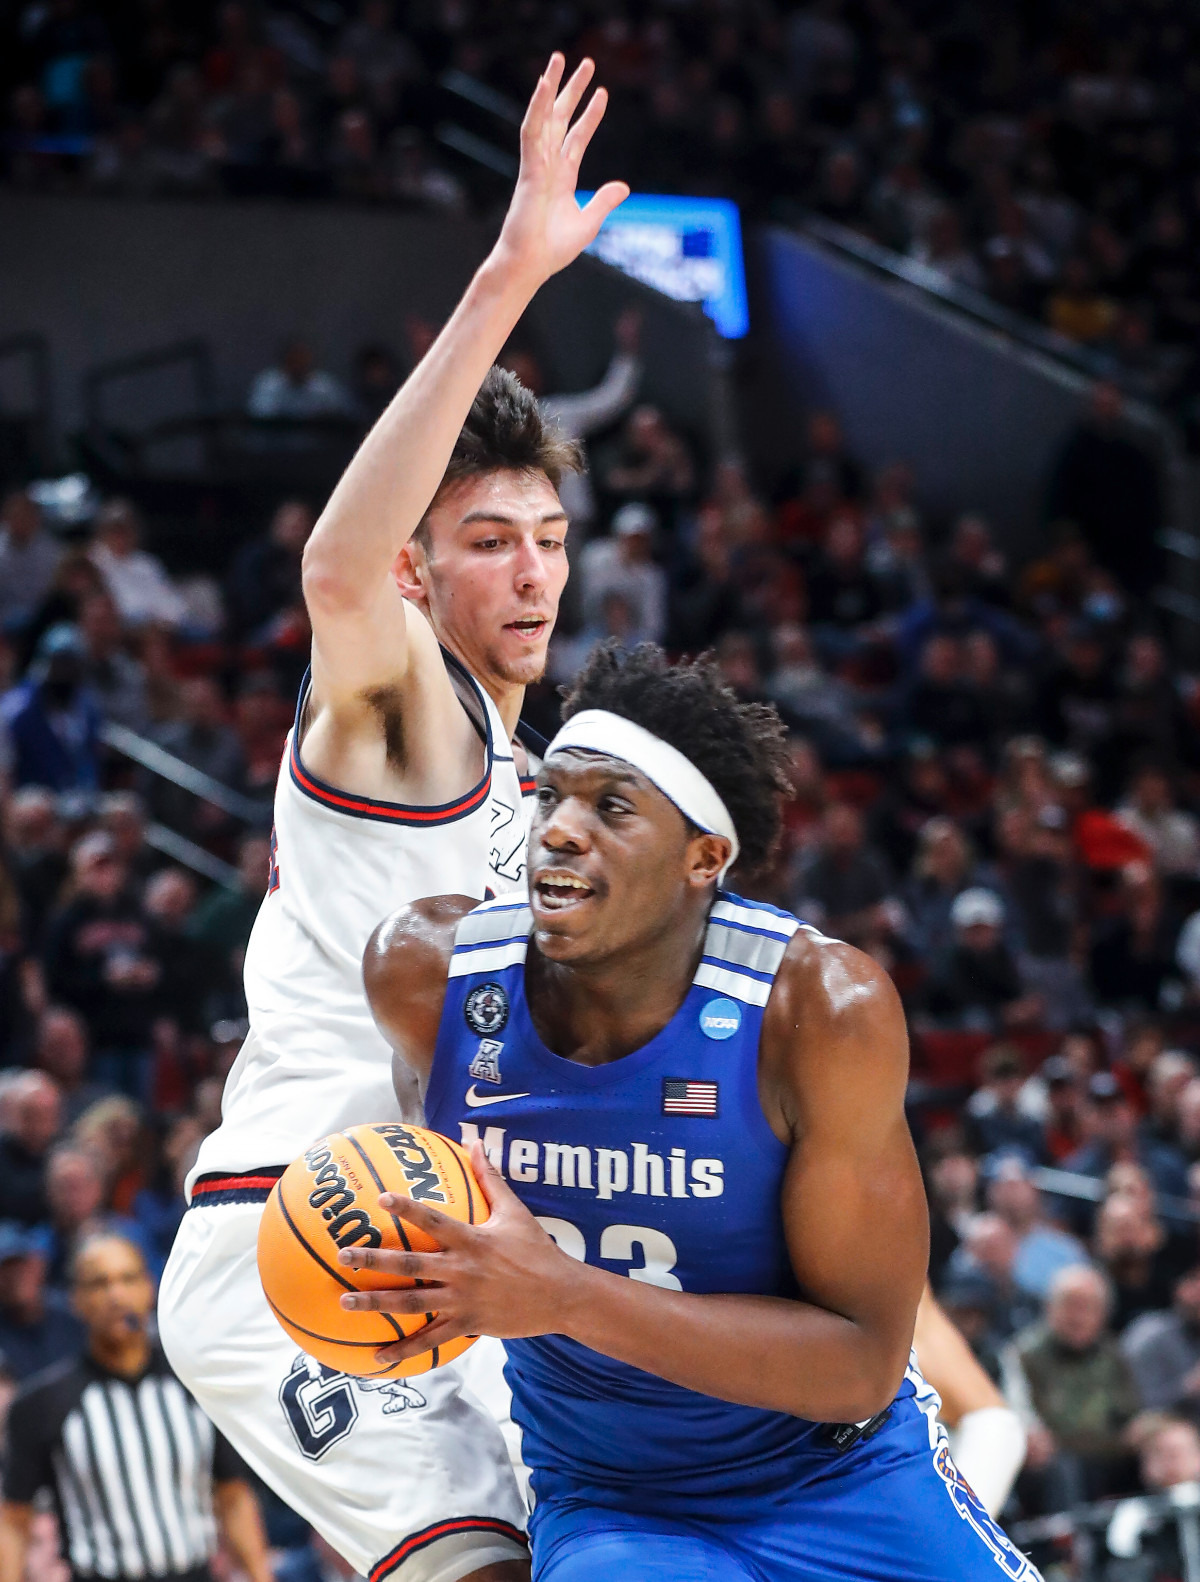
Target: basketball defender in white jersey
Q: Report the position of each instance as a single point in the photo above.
(432, 580)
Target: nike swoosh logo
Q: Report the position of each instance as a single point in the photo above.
(477, 1101)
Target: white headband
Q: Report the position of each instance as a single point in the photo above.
(598, 731)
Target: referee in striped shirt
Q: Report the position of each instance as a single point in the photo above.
(138, 1475)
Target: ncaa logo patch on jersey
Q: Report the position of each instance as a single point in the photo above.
(720, 1019)
(486, 1010)
(486, 1065)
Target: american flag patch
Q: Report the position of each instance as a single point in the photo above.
(682, 1097)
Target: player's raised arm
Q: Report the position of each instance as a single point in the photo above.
(357, 612)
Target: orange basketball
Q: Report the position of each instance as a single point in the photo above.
(329, 1199)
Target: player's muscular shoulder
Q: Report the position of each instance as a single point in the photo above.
(833, 1025)
(404, 974)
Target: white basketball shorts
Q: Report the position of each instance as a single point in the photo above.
(408, 1480)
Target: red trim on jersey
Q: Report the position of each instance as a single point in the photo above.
(448, 1529)
(234, 1183)
(528, 785)
(391, 812)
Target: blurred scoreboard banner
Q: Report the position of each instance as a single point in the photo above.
(687, 248)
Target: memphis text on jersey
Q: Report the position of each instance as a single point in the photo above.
(602, 1171)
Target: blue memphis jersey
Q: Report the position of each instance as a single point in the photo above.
(660, 1166)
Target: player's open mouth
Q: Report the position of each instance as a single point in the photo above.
(558, 890)
(530, 628)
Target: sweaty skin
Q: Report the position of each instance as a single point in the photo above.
(608, 967)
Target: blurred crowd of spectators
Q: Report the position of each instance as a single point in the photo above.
(1042, 154)
(996, 775)
(996, 770)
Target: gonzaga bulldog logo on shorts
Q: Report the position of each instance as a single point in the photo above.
(486, 1010)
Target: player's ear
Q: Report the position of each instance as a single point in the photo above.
(706, 855)
(411, 571)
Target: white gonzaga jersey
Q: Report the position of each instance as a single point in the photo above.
(314, 1061)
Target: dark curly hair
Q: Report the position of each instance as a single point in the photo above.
(506, 432)
(740, 747)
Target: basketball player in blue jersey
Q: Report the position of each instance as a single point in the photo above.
(708, 1234)
(432, 581)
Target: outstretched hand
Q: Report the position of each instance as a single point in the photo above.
(505, 1278)
(545, 229)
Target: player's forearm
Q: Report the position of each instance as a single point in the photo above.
(242, 1526)
(771, 1352)
(949, 1364)
(388, 486)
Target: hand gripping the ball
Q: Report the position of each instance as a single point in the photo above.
(505, 1277)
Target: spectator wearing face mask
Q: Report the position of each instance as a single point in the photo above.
(50, 722)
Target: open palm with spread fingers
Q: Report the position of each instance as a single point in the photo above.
(545, 229)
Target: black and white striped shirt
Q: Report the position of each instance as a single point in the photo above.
(130, 1463)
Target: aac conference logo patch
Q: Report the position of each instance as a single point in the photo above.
(486, 1010)
(720, 1019)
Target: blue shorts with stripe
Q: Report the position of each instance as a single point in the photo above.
(893, 1509)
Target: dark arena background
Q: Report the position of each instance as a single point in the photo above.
(888, 378)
